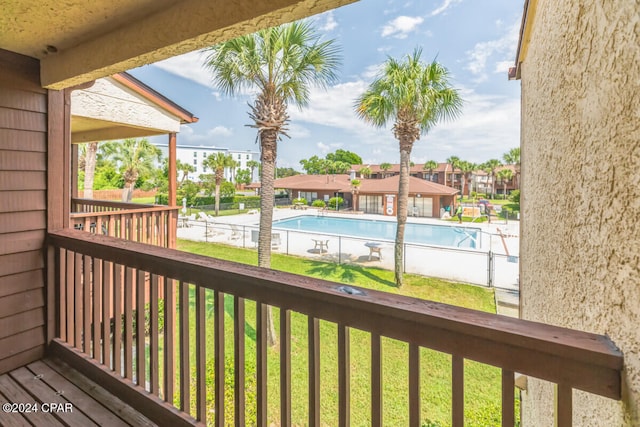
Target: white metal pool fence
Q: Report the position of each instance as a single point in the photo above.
(479, 267)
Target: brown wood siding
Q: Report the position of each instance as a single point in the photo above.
(23, 211)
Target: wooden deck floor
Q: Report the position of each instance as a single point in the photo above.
(58, 395)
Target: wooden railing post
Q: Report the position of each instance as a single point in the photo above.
(563, 405)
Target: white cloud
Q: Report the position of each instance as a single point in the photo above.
(296, 131)
(188, 66)
(481, 53)
(329, 23)
(488, 127)
(328, 148)
(443, 7)
(220, 131)
(401, 26)
(503, 66)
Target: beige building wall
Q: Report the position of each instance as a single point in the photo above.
(580, 250)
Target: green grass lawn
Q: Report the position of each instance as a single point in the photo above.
(482, 383)
(144, 200)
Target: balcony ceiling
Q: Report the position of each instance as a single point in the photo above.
(82, 40)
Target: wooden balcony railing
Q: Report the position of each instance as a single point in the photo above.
(92, 205)
(186, 294)
(150, 224)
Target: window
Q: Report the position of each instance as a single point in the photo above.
(308, 195)
(195, 162)
(239, 156)
(248, 157)
(195, 154)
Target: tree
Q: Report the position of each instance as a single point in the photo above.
(365, 172)
(340, 167)
(512, 157)
(385, 167)
(415, 96)
(243, 176)
(281, 63)
(132, 157)
(453, 161)
(430, 165)
(253, 165)
(504, 175)
(185, 168)
(465, 169)
(355, 187)
(313, 165)
(344, 156)
(90, 156)
(232, 168)
(217, 163)
(490, 167)
(285, 172)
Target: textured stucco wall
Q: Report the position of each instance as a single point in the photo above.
(110, 101)
(580, 245)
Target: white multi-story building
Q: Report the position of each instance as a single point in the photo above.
(195, 155)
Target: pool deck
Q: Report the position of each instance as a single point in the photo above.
(499, 237)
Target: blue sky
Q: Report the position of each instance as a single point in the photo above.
(475, 40)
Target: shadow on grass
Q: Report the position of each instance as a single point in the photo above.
(346, 272)
(228, 308)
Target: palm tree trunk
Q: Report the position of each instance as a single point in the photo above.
(89, 169)
(217, 197)
(268, 142)
(493, 185)
(403, 201)
(127, 191)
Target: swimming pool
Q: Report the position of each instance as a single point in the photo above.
(426, 234)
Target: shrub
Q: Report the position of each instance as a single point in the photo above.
(318, 203)
(301, 200)
(515, 196)
(335, 201)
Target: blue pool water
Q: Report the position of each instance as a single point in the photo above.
(426, 234)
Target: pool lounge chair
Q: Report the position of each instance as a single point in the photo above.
(275, 239)
(209, 224)
(236, 233)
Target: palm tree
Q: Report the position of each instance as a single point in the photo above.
(355, 186)
(217, 163)
(430, 165)
(465, 169)
(505, 175)
(365, 172)
(252, 164)
(512, 157)
(133, 157)
(281, 63)
(490, 167)
(415, 96)
(453, 161)
(232, 169)
(185, 168)
(90, 155)
(385, 167)
(340, 167)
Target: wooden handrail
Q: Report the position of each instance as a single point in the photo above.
(572, 358)
(108, 203)
(138, 209)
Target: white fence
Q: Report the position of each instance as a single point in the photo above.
(485, 268)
